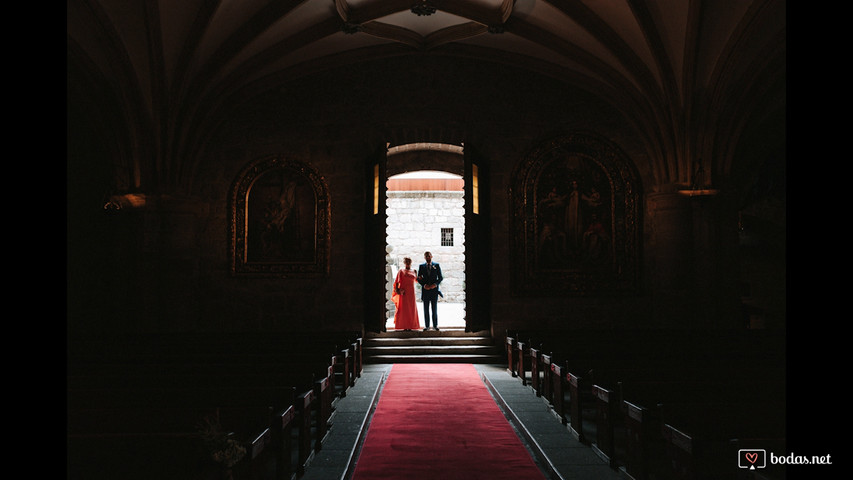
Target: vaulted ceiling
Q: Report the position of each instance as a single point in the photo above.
(693, 76)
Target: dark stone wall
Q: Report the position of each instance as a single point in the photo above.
(170, 268)
(333, 121)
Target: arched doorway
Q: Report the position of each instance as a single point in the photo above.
(457, 160)
(426, 212)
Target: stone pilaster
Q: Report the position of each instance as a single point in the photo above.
(164, 293)
(690, 262)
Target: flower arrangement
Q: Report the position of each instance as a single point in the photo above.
(222, 447)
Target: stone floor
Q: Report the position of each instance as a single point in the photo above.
(556, 450)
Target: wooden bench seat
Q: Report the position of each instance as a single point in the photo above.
(168, 443)
(698, 437)
(581, 372)
(116, 437)
(611, 415)
(607, 385)
(664, 435)
(172, 410)
(145, 393)
(138, 457)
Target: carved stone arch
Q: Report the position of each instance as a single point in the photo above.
(445, 134)
(438, 157)
(280, 220)
(575, 219)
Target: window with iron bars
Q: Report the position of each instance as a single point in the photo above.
(446, 237)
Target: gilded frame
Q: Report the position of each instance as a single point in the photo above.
(280, 220)
(575, 220)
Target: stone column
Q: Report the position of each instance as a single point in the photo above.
(692, 260)
(716, 279)
(670, 229)
(166, 283)
(669, 257)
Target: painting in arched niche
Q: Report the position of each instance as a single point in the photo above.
(280, 215)
(575, 219)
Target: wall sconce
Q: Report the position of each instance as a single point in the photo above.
(115, 203)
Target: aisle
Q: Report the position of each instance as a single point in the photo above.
(438, 421)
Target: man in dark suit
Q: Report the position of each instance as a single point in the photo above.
(429, 276)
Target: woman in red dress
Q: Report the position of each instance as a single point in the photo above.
(406, 316)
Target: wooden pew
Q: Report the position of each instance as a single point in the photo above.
(282, 429)
(121, 440)
(547, 377)
(570, 398)
(697, 436)
(607, 364)
(358, 349)
(111, 384)
(116, 412)
(324, 391)
(354, 367)
(580, 395)
(517, 351)
(259, 458)
(558, 389)
(271, 453)
(657, 449)
(620, 411)
(137, 457)
(644, 450)
(304, 402)
(521, 357)
(342, 372)
(528, 358)
(348, 364)
(536, 370)
(511, 353)
(160, 443)
(608, 418)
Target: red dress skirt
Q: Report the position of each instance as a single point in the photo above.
(406, 316)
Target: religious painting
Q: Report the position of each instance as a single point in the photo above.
(575, 219)
(280, 215)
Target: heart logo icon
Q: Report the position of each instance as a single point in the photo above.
(752, 457)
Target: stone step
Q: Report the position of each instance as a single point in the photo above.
(479, 359)
(424, 341)
(446, 346)
(444, 332)
(430, 350)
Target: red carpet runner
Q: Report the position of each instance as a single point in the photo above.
(438, 422)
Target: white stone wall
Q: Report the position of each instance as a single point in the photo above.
(415, 220)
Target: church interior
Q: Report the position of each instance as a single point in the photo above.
(624, 175)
